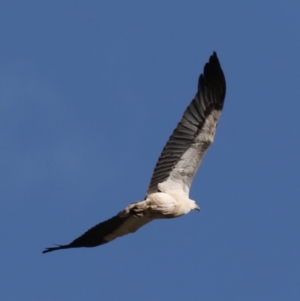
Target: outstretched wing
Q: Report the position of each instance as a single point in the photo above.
(105, 232)
(183, 153)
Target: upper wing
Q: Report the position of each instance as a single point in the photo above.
(105, 232)
(187, 145)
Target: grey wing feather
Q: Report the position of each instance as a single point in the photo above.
(187, 145)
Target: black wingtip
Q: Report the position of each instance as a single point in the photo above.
(214, 59)
(214, 75)
(59, 247)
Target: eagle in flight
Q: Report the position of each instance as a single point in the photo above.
(168, 192)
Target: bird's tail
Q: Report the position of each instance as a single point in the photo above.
(136, 209)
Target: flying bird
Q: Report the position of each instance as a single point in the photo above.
(168, 192)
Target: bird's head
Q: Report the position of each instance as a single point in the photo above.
(194, 206)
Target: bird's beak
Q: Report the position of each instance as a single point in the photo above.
(197, 208)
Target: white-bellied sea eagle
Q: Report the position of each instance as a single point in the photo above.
(168, 192)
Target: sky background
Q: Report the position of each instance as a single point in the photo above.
(90, 91)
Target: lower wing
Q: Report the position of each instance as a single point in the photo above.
(105, 232)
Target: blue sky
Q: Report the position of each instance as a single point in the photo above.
(90, 91)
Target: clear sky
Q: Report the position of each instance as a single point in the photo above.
(90, 91)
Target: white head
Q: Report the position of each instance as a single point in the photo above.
(194, 206)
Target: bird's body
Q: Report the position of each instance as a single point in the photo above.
(168, 192)
(160, 205)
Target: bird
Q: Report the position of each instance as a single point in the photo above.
(168, 192)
